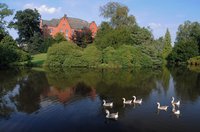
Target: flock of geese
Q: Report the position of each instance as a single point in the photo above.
(139, 101)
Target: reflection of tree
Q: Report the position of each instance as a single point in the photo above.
(187, 83)
(109, 83)
(8, 81)
(118, 84)
(30, 90)
(70, 77)
(165, 78)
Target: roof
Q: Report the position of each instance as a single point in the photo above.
(75, 23)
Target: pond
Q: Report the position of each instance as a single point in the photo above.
(72, 100)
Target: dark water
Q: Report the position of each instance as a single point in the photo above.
(71, 100)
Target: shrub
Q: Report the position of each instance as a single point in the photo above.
(194, 60)
(57, 54)
(92, 56)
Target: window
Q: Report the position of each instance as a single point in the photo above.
(67, 34)
(51, 30)
(61, 30)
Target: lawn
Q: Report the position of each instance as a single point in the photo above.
(38, 59)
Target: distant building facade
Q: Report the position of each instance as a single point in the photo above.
(67, 26)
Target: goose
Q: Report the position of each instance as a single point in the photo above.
(139, 101)
(111, 115)
(175, 103)
(126, 101)
(162, 107)
(176, 112)
(107, 104)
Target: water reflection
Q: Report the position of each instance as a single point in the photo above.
(81, 91)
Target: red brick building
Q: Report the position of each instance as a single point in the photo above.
(66, 25)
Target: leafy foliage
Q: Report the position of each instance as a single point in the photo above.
(118, 15)
(59, 37)
(194, 61)
(187, 42)
(4, 12)
(82, 38)
(10, 52)
(167, 48)
(27, 23)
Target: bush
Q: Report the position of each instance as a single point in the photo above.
(194, 60)
(126, 56)
(23, 56)
(69, 55)
(57, 54)
(92, 56)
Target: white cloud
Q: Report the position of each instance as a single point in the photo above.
(155, 25)
(43, 8)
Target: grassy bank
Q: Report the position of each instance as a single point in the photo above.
(38, 59)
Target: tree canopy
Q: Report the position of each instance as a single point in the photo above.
(167, 47)
(27, 22)
(4, 12)
(187, 43)
(118, 14)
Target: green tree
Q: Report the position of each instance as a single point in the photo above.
(27, 22)
(187, 43)
(167, 47)
(118, 15)
(36, 43)
(10, 52)
(4, 12)
(59, 37)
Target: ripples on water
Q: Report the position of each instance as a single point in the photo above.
(72, 100)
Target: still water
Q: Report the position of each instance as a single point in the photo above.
(71, 100)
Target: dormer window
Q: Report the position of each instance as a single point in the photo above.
(67, 34)
(51, 30)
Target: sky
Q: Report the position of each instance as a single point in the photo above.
(157, 14)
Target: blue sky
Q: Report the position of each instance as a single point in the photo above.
(158, 14)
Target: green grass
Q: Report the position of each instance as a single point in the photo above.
(38, 59)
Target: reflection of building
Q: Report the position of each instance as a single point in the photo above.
(65, 95)
(67, 26)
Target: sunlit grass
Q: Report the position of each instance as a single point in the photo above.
(39, 59)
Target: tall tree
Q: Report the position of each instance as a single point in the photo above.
(118, 15)
(187, 43)
(27, 22)
(167, 47)
(4, 12)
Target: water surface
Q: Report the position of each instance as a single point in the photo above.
(71, 100)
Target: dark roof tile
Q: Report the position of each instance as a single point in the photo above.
(75, 23)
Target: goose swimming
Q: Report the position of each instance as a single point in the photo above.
(110, 104)
(162, 107)
(111, 115)
(127, 101)
(177, 103)
(139, 101)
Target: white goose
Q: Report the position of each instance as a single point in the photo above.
(107, 104)
(139, 101)
(176, 112)
(111, 115)
(175, 103)
(162, 107)
(127, 101)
